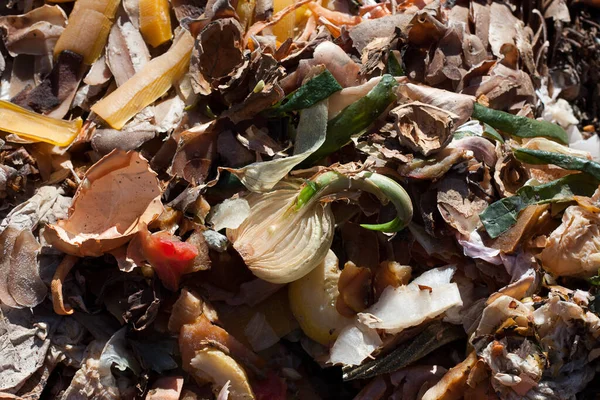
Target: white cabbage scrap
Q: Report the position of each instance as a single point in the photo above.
(426, 297)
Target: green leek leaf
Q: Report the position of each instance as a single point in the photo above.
(394, 67)
(318, 88)
(357, 117)
(522, 127)
(560, 160)
(491, 133)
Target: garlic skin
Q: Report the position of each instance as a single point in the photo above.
(279, 244)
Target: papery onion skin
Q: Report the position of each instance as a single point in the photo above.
(289, 232)
(273, 241)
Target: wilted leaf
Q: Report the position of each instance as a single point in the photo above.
(155, 356)
(115, 353)
(263, 176)
(24, 282)
(217, 52)
(45, 206)
(423, 128)
(503, 214)
(24, 342)
(118, 193)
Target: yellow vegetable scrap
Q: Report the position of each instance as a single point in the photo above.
(284, 29)
(145, 87)
(155, 22)
(88, 28)
(33, 126)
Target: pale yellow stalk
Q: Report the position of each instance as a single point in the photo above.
(146, 86)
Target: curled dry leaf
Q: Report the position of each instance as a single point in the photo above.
(20, 282)
(197, 148)
(118, 193)
(509, 174)
(126, 51)
(217, 52)
(456, 103)
(424, 128)
(458, 206)
(34, 33)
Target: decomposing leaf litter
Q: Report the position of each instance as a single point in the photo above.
(299, 199)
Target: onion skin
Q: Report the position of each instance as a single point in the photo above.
(289, 231)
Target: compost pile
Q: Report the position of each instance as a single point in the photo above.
(310, 199)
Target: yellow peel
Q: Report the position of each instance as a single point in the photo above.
(155, 21)
(87, 31)
(284, 29)
(145, 87)
(34, 126)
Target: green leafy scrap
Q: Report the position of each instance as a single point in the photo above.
(522, 127)
(503, 214)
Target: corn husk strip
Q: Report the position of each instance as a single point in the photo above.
(275, 18)
(155, 21)
(87, 31)
(146, 86)
(37, 127)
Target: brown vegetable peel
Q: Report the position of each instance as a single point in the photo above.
(61, 273)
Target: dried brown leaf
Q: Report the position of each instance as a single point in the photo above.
(118, 193)
(424, 128)
(34, 33)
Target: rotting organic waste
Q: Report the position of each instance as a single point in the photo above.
(299, 199)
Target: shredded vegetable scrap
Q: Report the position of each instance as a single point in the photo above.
(30, 125)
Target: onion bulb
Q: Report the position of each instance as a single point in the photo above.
(313, 298)
(289, 231)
